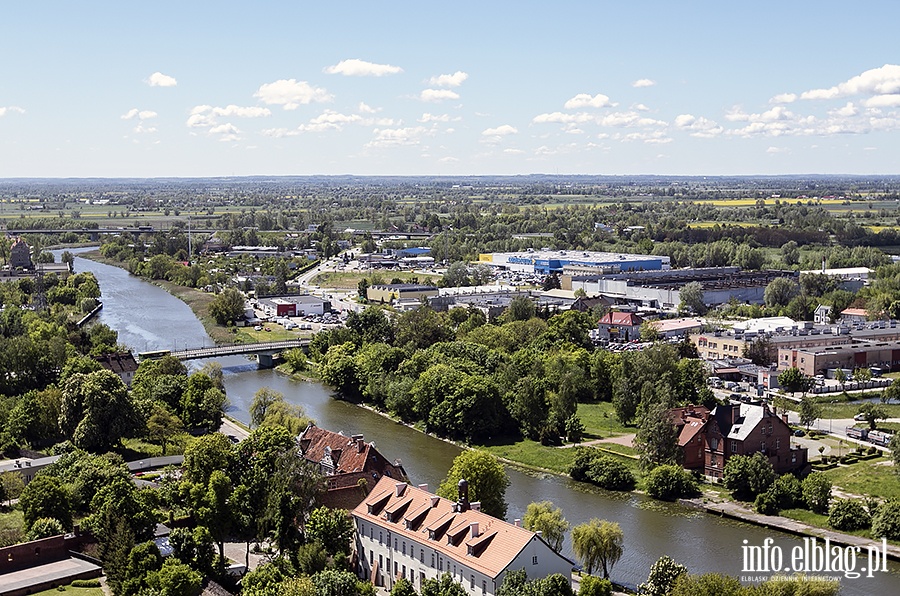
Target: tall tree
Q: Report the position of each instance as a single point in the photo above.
(97, 411)
(657, 438)
(598, 543)
(547, 519)
(486, 478)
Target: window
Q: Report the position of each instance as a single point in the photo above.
(762, 446)
(404, 547)
(777, 444)
(395, 567)
(472, 581)
(380, 537)
(432, 560)
(371, 557)
(395, 544)
(534, 560)
(734, 446)
(483, 587)
(421, 555)
(404, 571)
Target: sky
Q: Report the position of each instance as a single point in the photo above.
(198, 88)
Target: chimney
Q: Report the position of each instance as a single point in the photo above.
(476, 506)
(474, 527)
(784, 418)
(400, 486)
(424, 487)
(539, 533)
(518, 522)
(360, 446)
(463, 490)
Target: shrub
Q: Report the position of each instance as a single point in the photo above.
(747, 476)
(663, 575)
(787, 490)
(611, 474)
(848, 515)
(85, 583)
(886, 521)
(766, 503)
(671, 482)
(594, 586)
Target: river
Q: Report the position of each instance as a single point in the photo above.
(148, 318)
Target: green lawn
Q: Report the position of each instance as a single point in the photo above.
(349, 280)
(532, 454)
(872, 478)
(845, 410)
(71, 591)
(600, 421)
(11, 526)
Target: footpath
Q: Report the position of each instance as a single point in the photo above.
(738, 512)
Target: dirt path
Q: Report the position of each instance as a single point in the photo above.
(626, 440)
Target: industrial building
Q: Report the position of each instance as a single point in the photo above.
(662, 288)
(545, 262)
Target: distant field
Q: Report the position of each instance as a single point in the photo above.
(769, 201)
(712, 224)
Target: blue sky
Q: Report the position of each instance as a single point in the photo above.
(198, 88)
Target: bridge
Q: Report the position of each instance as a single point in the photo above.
(263, 350)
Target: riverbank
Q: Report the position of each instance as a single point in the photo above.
(545, 478)
(736, 511)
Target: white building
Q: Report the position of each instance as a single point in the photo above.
(406, 531)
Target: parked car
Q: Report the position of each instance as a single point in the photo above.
(860, 417)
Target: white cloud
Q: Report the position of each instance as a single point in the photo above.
(643, 83)
(500, 131)
(784, 98)
(438, 95)
(158, 79)
(877, 81)
(777, 150)
(426, 118)
(629, 119)
(847, 111)
(397, 137)
(140, 114)
(513, 151)
(584, 100)
(449, 80)
(291, 94)
(330, 120)
(563, 118)
(360, 68)
(656, 137)
(11, 110)
(228, 132)
(242, 112)
(448, 160)
(141, 129)
(365, 108)
(698, 127)
(641, 107)
(883, 101)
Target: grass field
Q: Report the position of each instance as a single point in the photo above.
(848, 410)
(600, 421)
(349, 280)
(533, 454)
(875, 478)
(11, 524)
(71, 591)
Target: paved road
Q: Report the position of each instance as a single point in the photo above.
(229, 428)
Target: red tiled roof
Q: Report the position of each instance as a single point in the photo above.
(490, 551)
(627, 319)
(348, 455)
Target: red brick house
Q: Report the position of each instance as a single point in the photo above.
(620, 326)
(345, 462)
(691, 423)
(735, 429)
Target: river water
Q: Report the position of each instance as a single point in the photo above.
(148, 318)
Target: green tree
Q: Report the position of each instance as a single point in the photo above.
(11, 486)
(848, 515)
(780, 291)
(761, 351)
(691, 295)
(163, 426)
(263, 399)
(206, 455)
(442, 586)
(793, 380)
(886, 521)
(331, 527)
(873, 412)
(817, 492)
(402, 587)
(227, 306)
(45, 527)
(595, 586)
(486, 477)
(810, 410)
(176, 579)
(520, 308)
(544, 517)
(43, 497)
(663, 575)
(670, 482)
(97, 411)
(657, 438)
(598, 543)
(747, 476)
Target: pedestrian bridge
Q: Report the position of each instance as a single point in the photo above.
(264, 350)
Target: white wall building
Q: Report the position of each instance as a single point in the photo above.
(406, 531)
